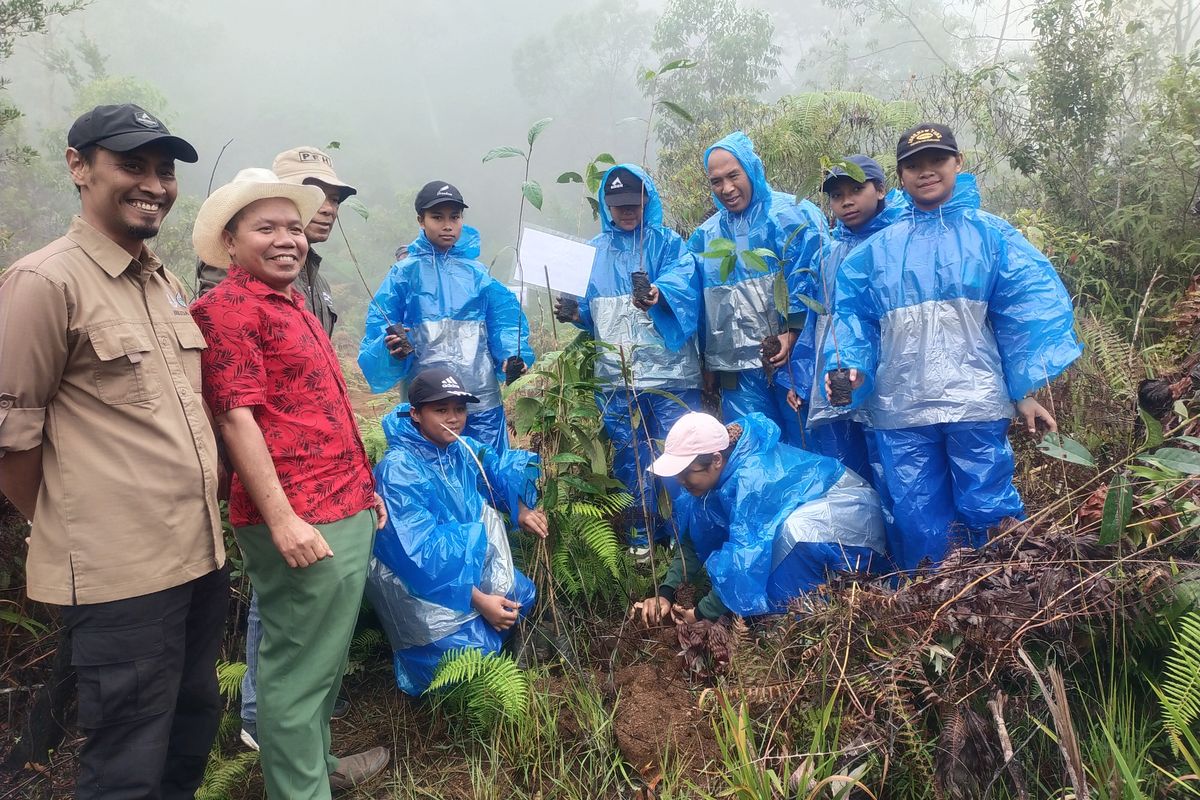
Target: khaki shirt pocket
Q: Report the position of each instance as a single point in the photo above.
(124, 371)
(191, 342)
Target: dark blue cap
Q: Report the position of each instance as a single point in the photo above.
(870, 167)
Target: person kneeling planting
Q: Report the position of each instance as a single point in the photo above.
(768, 521)
(442, 574)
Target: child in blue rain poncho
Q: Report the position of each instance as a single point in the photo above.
(441, 576)
(739, 308)
(653, 329)
(861, 210)
(946, 319)
(454, 315)
(768, 521)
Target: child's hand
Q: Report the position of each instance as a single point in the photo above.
(1031, 411)
(794, 400)
(533, 521)
(651, 299)
(683, 616)
(654, 610)
(500, 612)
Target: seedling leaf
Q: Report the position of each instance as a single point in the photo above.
(813, 304)
(570, 177)
(677, 110)
(535, 130)
(1118, 505)
(1176, 459)
(503, 152)
(679, 63)
(1064, 448)
(533, 193)
(754, 261)
(354, 203)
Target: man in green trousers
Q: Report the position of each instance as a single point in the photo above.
(302, 501)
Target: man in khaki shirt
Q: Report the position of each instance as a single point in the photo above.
(105, 444)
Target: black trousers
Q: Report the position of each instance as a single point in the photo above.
(148, 699)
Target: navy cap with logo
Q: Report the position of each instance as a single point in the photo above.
(435, 384)
(126, 127)
(926, 136)
(870, 167)
(623, 188)
(435, 193)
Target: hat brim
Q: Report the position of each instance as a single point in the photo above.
(225, 202)
(322, 182)
(624, 199)
(441, 201)
(668, 466)
(927, 146)
(834, 178)
(179, 149)
(466, 397)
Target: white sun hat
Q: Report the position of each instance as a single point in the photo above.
(248, 186)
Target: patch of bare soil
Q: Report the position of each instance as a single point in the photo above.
(656, 713)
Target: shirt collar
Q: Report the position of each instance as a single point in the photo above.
(110, 256)
(259, 289)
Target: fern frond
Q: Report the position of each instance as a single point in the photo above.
(490, 686)
(229, 678)
(223, 774)
(601, 539)
(1179, 693)
(364, 642)
(1110, 355)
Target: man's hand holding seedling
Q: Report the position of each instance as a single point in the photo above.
(649, 301)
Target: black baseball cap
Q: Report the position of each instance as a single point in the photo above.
(623, 188)
(435, 384)
(870, 167)
(435, 193)
(126, 127)
(926, 136)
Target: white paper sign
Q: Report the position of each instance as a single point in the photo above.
(567, 261)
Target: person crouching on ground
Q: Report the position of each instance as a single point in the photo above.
(302, 489)
(654, 327)
(442, 574)
(767, 520)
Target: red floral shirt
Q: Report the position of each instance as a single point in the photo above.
(267, 351)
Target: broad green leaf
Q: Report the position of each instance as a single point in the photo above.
(635, 419)
(780, 290)
(568, 458)
(1064, 448)
(1189, 439)
(1175, 458)
(595, 204)
(604, 158)
(679, 63)
(599, 456)
(570, 177)
(1118, 505)
(352, 202)
(527, 411)
(535, 130)
(813, 304)
(754, 261)
(854, 171)
(334, 145)
(727, 265)
(503, 152)
(1180, 409)
(519, 384)
(677, 110)
(533, 193)
(719, 248)
(787, 245)
(1154, 431)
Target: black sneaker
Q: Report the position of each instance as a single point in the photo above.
(341, 706)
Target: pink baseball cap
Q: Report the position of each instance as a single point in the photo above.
(695, 434)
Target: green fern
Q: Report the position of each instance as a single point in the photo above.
(364, 643)
(229, 678)
(223, 774)
(1109, 357)
(373, 439)
(1179, 694)
(488, 687)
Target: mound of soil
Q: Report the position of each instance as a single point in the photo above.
(657, 713)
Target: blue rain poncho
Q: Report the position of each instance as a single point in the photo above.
(660, 345)
(739, 310)
(779, 520)
(951, 315)
(442, 539)
(458, 317)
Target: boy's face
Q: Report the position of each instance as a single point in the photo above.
(929, 177)
(442, 224)
(854, 203)
(433, 419)
(321, 226)
(626, 218)
(729, 181)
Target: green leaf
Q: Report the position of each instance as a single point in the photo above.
(570, 177)
(677, 110)
(334, 145)
(568, 458)
(1064, 448)
(352, 202)
(649, 75)
(754, 261)
(604, 158)
(852, 170)
(1118, 505)
(1176, 459)
(727, 265)
(1154, 431)
(813, 304)
(533, 193)
(535, 130)
(595, 204)
(719, 248)
(780, 290)
(1190, 439)
(679, 63)
(503, 152)
(627, 120)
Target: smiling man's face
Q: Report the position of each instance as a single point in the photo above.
(268, 241)
(126, 196)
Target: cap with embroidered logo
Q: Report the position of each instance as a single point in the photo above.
(926, 136)
(310, 165)
(126, 127)
(435, 193)
(623, 188)
(437, 383)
